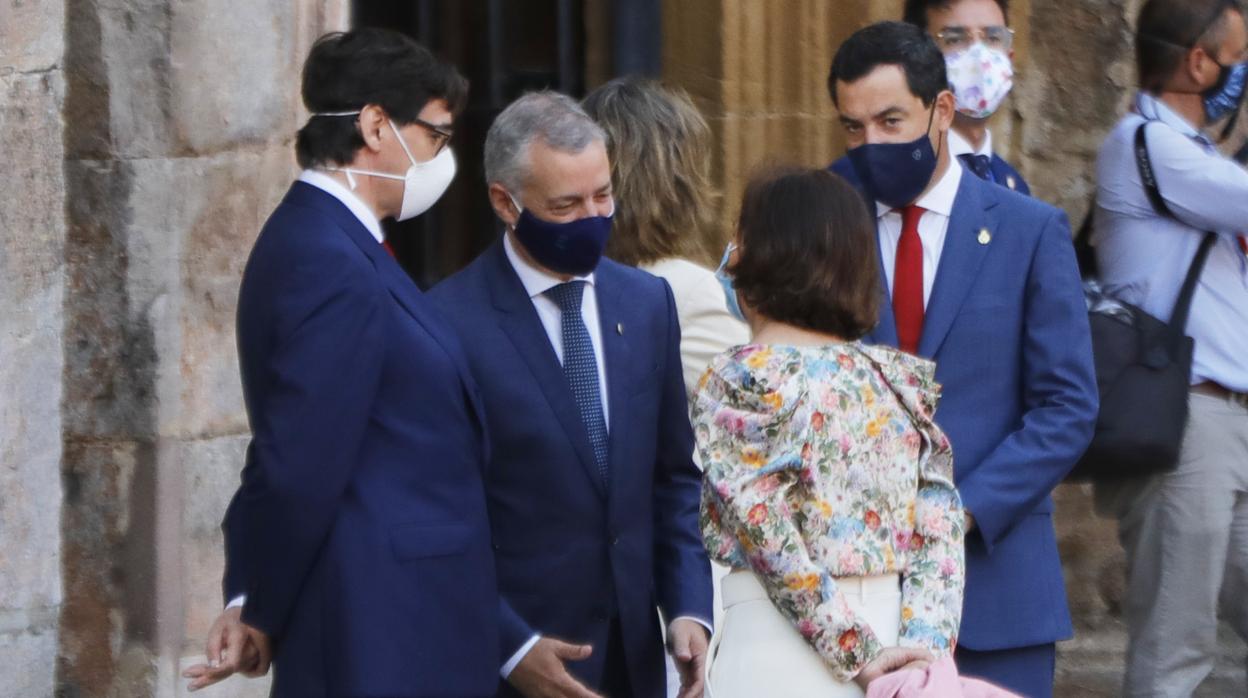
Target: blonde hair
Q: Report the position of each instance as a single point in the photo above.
(660, 148)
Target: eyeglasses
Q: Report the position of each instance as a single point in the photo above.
(442, 136)
(952, 39)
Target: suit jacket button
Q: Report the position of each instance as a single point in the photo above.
(615, 541)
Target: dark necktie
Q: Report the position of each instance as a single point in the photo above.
(981, 165)
(581, 367)
(908, 281)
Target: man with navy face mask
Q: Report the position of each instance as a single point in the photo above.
(1185, 532)
(983, 280)
(592, 490)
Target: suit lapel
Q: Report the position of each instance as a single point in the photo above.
(617, 354)
(524, 328)
(885, 331)
(960, 260)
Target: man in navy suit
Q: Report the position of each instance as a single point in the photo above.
(593, 494)
(978, 45)
(358, 544)
(983, 280)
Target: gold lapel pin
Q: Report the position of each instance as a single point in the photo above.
(985, 237)
(619, 328)
(1009, 182)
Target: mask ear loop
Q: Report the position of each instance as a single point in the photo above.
(931, 119)
(403, 143)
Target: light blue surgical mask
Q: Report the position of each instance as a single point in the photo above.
(725, 280)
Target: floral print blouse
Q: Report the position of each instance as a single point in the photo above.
(824, 462)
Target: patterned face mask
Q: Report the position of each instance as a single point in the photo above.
(980, 78)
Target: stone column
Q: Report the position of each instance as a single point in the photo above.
(32, 281)
(759, 73)
(179, 124)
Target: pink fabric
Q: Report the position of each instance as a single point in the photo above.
(940, 680)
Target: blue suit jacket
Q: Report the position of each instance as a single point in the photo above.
(571, 553)
(1007, 326)
(359, 533)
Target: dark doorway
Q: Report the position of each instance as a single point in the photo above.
(505, 49)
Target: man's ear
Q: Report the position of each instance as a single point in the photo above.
(373, 120)
(946, 108)
(502, 204)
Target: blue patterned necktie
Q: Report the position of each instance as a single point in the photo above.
(581, 368)
(981, 165)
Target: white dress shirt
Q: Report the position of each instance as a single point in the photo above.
(1143, 256)
(937, 206)
(367, 218)
(960, 146)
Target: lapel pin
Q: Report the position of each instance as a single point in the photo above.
(1009, 182)
(619, 328)
(985, 237)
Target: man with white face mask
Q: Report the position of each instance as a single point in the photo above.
(979, 56)
(357, 547)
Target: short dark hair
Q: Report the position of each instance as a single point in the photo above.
(1167, 29)
(346, 71)
(916, 10)
(891, 43)
(808, 255)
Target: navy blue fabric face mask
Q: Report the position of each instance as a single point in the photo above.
(572, 248)
(895, 174)
(1228, 94)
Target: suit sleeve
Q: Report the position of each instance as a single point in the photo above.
(682, 569)
(321, 380)
(1059, 394)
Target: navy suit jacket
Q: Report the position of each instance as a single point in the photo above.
(1008, 328)
(359, 533)
(571, 553)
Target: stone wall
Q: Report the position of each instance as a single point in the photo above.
(179, 120)
(32, 280)
(759, 71)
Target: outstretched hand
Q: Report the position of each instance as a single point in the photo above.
(893, 659)
(232, 647)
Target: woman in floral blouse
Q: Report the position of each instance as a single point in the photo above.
(828, 487)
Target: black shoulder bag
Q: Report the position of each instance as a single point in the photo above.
(1143, 368)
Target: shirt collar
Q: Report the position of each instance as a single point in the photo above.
(331, 186)
(535, 281)
(940, 199)
(1150, 107)
(959, 145)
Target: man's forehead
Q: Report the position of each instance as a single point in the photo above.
(884, 88)
(970, 14)
(559, 172)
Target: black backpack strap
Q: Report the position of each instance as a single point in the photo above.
(1182, 306)
(1148, 176)
(1178, 319)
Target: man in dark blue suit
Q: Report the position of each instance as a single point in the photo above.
(983, 280)
(593, 494)
(358, 545)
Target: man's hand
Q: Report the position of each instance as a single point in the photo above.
(541, 673)
(688, 642)
(893, 659)
(232, 647)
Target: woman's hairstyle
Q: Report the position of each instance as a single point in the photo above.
(347, 71)
(808, 253)
(660, 147)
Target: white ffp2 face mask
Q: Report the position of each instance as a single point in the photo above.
(423, 183)
(981, 78)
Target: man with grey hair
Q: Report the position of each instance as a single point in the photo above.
(592, 491)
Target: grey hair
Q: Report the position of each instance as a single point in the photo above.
(555, 118)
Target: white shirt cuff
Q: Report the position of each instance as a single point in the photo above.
(516, 658)
(695, 619)
(236, 602)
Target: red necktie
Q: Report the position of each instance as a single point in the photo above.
(1243, 243)
(389, 248)
(908, 281)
